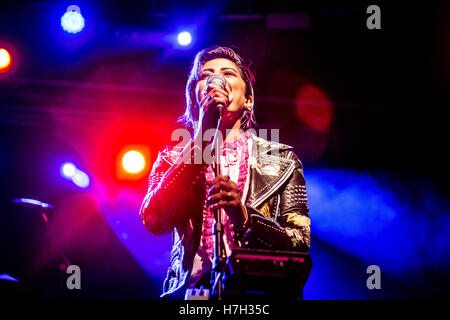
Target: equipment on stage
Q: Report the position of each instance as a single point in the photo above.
(256, 273)
(269, 273)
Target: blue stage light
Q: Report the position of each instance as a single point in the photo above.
(78, 177)
(81, 179)
(72, 21)
(68, 170)
(7, 277)
(184, 38)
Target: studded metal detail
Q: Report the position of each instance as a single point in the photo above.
(155, 179)
(295, 195)
(267, 160)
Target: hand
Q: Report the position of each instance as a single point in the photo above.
(224, 193)
(211, 97)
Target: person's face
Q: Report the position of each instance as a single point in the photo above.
(235, 86)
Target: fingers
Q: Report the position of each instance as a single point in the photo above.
(214, 88)
(221, 183)
(219, 178)
(223, 189)
(221, 186)
(226, 205)
(224, 193)
(223, 198)
(214, 96)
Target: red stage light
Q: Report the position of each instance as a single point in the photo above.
(5, 60)
(314, 107)
(132, 162)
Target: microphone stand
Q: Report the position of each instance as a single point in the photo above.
(219, 259)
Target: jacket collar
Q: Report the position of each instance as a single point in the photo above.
(270, 169)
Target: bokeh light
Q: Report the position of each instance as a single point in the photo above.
(5, 60)
(78, 177)
(184, 38)
(72, 21)
(314, 107)
(68, 169)
(133, 161)
(81, 179)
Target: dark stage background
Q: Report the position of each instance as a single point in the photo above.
(364, 109)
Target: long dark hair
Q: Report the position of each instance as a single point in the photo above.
(190, 115)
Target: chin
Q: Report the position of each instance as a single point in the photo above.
(231, 116)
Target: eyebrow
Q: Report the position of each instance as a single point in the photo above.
(222, 69)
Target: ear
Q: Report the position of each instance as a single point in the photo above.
(248, 104)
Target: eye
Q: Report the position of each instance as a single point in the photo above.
(228, 73)
(203, 76)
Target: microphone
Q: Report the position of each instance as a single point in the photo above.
(220, 81)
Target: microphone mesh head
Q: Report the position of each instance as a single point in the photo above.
(217, 79)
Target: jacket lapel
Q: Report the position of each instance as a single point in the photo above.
(268, 170)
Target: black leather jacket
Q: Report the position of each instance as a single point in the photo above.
(276, 202)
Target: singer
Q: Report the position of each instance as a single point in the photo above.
(261, 190)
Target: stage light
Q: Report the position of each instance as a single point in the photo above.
(7, 277)
(5, 60)
(72, 21)
(133, 161)
(184, 38)
(81, 179)
(314, 107)
(78, 177)
(68, 170)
